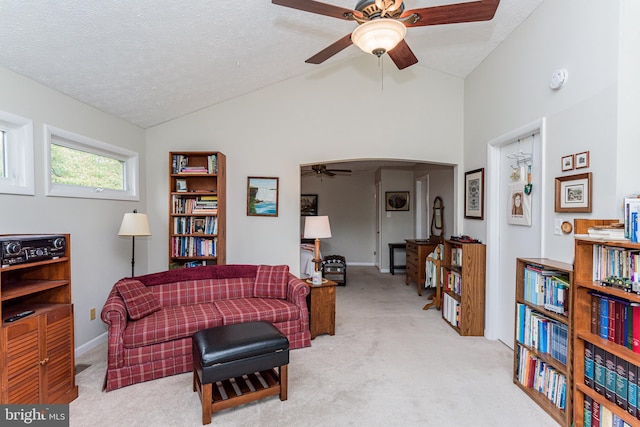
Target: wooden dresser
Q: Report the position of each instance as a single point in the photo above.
(417, 252)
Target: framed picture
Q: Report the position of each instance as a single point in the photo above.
(474, 194)
(198, 225)
(567, 163)
(573, 193)
(582, 160)
(309, 204)
(181, 185)
(396, 201)
(262, 196)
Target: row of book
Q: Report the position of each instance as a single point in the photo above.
(195, 225)
(193, 246)
(612, 377)
(535, 373)
(616, 319)
(547, 288)
(596, 415)
(195, 205)
(611, 261)
(451, 310)
(180, 164)
(631, 214)
(453, 282)
(538, 331)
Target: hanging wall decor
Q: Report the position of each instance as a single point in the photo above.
(474, 194)
(519, 205)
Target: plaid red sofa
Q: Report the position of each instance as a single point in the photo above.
(151, 318)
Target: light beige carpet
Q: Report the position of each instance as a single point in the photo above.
(390, 363)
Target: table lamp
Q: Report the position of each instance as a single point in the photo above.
(317, 227)
(134, 224)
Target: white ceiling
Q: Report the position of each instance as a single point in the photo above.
(149, 61)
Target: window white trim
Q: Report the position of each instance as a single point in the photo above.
(68, 139)
(19, 177)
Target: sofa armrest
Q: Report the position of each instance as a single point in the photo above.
(114, 314)
(297, 291)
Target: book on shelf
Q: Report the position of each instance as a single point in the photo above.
(180, 165)
(621, 378)
(589, 367)
(631, 214)
(547, 288)
(542, 333)
(535, 373)
(600, 370)
(615, 319)
(632, 389)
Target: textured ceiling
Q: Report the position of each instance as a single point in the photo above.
(149, 61)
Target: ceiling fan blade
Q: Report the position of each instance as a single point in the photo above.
(320, 8)
(331, 50)
(340, 170)
(326, 172)
(473, 11)
(402, 55)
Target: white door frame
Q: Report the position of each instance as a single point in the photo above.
(493, 216)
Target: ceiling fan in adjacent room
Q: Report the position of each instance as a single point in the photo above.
(322, 170)
(382, 24)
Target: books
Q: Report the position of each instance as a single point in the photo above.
(631, 213)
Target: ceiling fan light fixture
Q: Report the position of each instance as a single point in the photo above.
(378, 36)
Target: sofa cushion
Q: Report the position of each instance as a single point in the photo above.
(138, 299)
(171, 323)
(271, 281)
(228, 271)
(256, 309)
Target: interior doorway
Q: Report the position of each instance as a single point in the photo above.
(509, 236)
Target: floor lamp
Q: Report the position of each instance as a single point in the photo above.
(134, 224)
(317, 227)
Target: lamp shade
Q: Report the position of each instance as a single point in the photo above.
(135, 224)
(378, 36)
(317, 227)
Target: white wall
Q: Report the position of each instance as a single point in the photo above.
(98, 256)
(335, 113)
(510, 88)
(350, 203)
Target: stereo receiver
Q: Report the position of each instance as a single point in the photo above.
(20, 249)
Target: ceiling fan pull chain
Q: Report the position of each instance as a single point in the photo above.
(381, 66)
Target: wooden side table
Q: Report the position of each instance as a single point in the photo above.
(322, 308)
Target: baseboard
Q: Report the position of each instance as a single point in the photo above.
(84, 348)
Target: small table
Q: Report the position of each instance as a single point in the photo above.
(322, 308)
(392, 265)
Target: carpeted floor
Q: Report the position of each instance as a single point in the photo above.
(390, 363)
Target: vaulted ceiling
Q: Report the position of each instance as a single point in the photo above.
(150, 61)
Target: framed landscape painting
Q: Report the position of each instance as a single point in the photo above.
(309, 204)
(262, 196)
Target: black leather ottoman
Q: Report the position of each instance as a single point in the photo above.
(235, 364)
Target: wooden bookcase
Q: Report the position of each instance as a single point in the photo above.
(588, 293)
(197, 208)
(463, 304)
(37, 352)
(542, 334)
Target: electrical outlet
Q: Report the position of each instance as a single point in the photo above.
(92, 314)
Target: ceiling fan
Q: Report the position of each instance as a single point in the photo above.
(382, 24)
(322, 170)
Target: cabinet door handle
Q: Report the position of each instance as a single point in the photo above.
(43, 361)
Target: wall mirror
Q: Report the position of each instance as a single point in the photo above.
(437, 220)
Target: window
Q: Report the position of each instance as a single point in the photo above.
(82, 167)
(16, 154)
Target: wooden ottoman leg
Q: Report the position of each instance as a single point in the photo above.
(284, 374)
(206, 403)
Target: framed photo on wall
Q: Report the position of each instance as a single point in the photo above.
(308, 204)
(396, 201)
(567, 163)
(582, 160)
(474, 194)
(262, 196)
(573, 193)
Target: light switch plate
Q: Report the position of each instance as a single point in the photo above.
(557, 226)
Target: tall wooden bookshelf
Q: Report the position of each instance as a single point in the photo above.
(595, 343)
(464, 287)
(197, 208)
(542, 335)
(37, 352)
